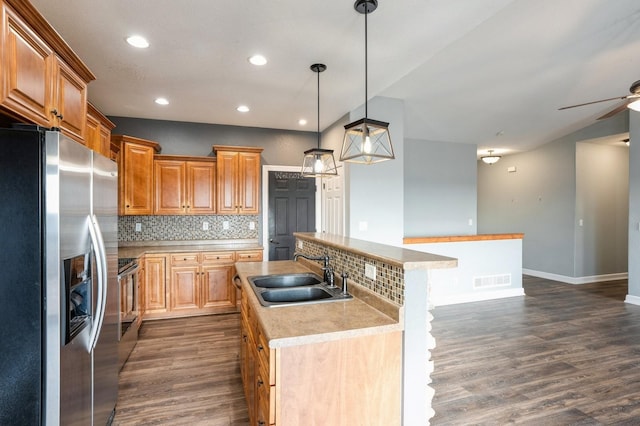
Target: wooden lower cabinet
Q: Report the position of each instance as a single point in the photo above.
(354, 380)
(155, 294)
(194, 283)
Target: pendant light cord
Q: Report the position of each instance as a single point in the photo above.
(366, 82)
(318, 109)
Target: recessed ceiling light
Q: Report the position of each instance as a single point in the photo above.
(138, 41)
(243, 108)
(302, 122)
(258, 60)
(162, 101)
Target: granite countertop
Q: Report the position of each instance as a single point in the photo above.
(135, 251)
(315, 322)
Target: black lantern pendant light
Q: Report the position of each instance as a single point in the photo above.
(366, 141)
(317, 161)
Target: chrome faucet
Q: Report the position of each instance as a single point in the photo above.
(326, 269)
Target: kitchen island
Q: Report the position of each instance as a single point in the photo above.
(335, 363)
(399, 277)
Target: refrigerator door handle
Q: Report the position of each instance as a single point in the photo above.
(101, 266)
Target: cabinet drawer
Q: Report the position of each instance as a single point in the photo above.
(180, 259)
(264, 357)
(266, 401)
(218, 257)
(249, 256)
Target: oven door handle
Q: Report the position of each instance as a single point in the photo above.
(101, 266)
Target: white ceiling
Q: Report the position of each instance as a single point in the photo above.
(466, 69)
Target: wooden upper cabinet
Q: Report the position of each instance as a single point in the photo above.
(238, 173)
(69, 110)
(27, 71)
(98, 132)
(184, 185)
(135, 175)
(43, 81)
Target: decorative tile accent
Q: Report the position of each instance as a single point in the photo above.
(187, 228)
(389, 281)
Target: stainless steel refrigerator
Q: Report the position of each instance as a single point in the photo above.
(58, 281)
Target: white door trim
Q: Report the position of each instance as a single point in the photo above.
(265, 203)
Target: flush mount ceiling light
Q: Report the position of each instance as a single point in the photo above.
(162, 101)
(317, 161)
(491, 159)
(366, 141)
(242, 108)
(258, 60)
(138, 41)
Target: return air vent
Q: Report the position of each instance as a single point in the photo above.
(491, 281)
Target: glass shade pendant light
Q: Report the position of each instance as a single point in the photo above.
(491, 158)
(317, 161)
(366, 141)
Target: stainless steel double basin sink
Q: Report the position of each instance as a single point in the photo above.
(294, 289)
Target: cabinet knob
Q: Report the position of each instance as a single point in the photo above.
(55, 113)
(260, 347)
(260, 382)
(244, 337)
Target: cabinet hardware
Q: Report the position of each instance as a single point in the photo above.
(260, 382)
(260, 347)
(55, 113)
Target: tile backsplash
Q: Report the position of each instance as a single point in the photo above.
(389, 282)
(187, 228)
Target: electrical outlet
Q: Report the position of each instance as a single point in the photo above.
(225, 224)
(301, 244)
(252, 225)
(205, 226)
(370, 271)
(138, 227)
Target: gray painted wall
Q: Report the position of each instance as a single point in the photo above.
(281, 147)
(440, 186)
(554, 187)
(634, 206)
(602, 204)
(538, 199)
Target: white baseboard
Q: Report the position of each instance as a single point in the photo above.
(576, 280)
(633, 300)
(475, 297)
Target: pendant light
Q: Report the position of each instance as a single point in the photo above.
(366, 141)
(317, 161)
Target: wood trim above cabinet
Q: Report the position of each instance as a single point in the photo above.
(233, 148)
(120, 139)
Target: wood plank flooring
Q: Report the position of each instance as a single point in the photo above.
(562, 355)
(184, 372)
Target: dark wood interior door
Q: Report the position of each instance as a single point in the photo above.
(292, 208)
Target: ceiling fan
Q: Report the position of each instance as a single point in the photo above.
(635, 94)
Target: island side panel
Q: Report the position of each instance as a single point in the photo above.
(417, 394)
(340, 383)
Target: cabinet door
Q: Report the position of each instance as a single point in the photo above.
(217, 287)
(70, 101)
(169, 187)
(248, 182)
(92, 133)
(27, 71)
(136, 179)
(155, 284)
(141, 291)
(105, 141)
(201, 189)
(184, 288)
(227, 175)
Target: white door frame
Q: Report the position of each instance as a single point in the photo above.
(265, 203)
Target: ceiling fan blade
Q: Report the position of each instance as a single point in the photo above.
(594, 102)
(614, 111)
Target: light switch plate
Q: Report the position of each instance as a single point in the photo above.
(138, 227)
(205, 226)
(225, 224)
(252, 225)
(301, 244)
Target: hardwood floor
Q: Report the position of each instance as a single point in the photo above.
(562, 355)
(184, 372)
